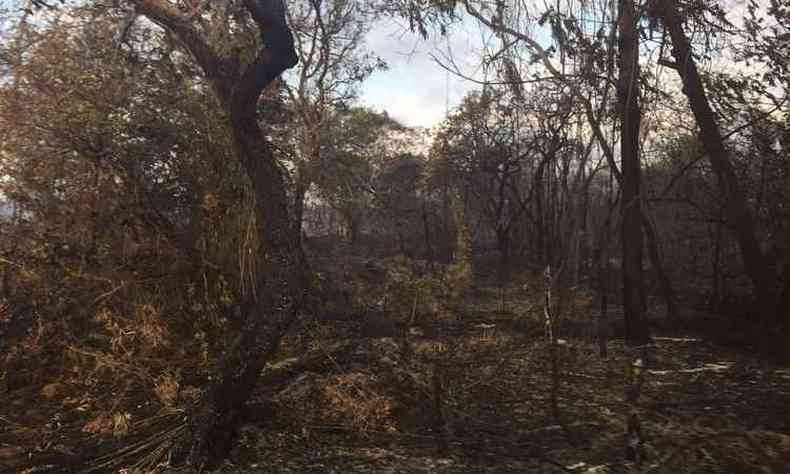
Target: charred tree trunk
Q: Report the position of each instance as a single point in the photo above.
(631, 225)
(503, 242)
(426, 227)
(604, 277)
(279, 288)
(281, 283)
(602, 323)
(784, 298)
(539, 218)
(658, 266)
(268, 315)
(736, 208)
(715, 298)
(652, 240)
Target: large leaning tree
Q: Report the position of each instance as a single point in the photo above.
(237, 76)
(736, 207)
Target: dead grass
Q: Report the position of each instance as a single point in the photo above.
(118, 398)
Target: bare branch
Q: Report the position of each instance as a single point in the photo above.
(167, 16)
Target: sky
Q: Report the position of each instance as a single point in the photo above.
(415, 90)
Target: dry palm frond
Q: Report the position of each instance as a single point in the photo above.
(146, 454)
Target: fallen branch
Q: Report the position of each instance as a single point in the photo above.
(704, 368)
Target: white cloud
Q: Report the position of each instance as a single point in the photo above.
(415, 90)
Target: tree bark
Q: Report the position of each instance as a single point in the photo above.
(716, 270)
(654, 253)
(281, 283)
(736, 207)
(784, 298)
(279, 287)
(631, 225)
(429, 253)
(540, 236)
(653, 246)
(602, 322)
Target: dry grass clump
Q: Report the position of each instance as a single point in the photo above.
(102, 372)
(145, 332)
(354, 401)
(695, 449)
(371, 389)
(351, 400)
(166, 389)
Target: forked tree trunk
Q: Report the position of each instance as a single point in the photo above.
(736, 208)
(631, 224)
(281, 281)
(278, 295)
